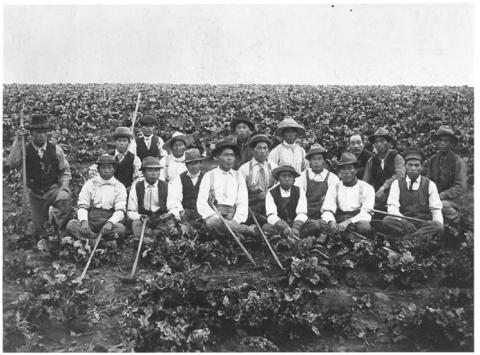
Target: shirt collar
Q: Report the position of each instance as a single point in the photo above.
(179, 160)
(408, 180)
(193, 176)
(117, 153)
(256, 162)
(98, 179)
(225, 172)
(148, 138)
(323, 174)
(147, 184)
(289, 146)
(44, 146)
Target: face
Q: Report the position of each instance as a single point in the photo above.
(286, 180)
(317, 163)
(356, 144)
(151, 174)
(413, 168)
(444, 143)
(260, 152)
(147, 130)
(243, 131)
(381, 145)
(122, 144)
(39, 137)
(193, 167)
(226, 159)
(178, 148)
(348, 173)
(290, 135)
(106, 171)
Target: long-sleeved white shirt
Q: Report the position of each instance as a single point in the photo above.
(255, 178)
(434, 202)
(271, 207)
(230, 189)
(349, 198)
(106, 194)
(301, 181)
(172, 167)
(150, 200)
(175, 194)
(291, 154)
(137, 165)
(133, 145)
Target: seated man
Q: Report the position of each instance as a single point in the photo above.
(414, 196)
(183, 190)
(448, 171)
(148, 144)
(225, 189)
(348, 203)
(101, 204)
(286, 204)
(258, 175)
(314, 182)
(363, 155)
(148, 200)
(128, 165)
(174, 163)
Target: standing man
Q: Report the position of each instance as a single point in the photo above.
(383, 168)
(449, 172)
(414, 196)
(149, 145)
(289, 152)
(174, 163)
(258, 175)
(242, 128)
(48, 175)
(363, 155)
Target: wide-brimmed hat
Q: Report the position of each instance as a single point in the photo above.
(122, 132)
(106, 159)
(147, 120)
(289, 123)
(284, 168)
(347, 159)
(39, 121)
(242, 119)
(192, 154)
(260, 138)
(446, 131)
(178, 136)
(151, 162)
(413, 153)
(223, 144)
(315, 149)
(381, 132)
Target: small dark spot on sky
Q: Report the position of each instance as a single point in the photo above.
(350, 10)
(333, 6)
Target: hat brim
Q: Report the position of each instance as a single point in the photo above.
(152, 167)
(355, 164)
(216, 151)
(308, 155)
(196, 159)
(235, 122)
(453, 137)
(413, 156)
(278, 172)
(387, 137)
(254, 143)
(109, 162)
(129, 136)
(39, 126)
(185, 139)
(279, 131)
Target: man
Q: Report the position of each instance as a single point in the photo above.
(174, 163)
(48, 175)
(128, 165)
(449, 172)
(314, 182)
(285, 204)
(148, 200)
(414, 196)
(242, 128)
(363, 155)
(258, 175)
(149, 144)
(183, 190)
(348, 203)
(224, 188)
(383, 168)
(101, 204)
(289, 152)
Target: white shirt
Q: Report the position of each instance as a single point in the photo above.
(106, 194)
(256, 166)
(434, 202)
(150, 200)
(271, 207)
(176, 166)
(230, 189)
(133, 145)
(175, 194)
(137, 165)
(291, 154)
(348, 199)
(301, 181)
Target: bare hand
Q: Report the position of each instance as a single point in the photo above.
(84, 229)
(164, 216)
(342, 226)
(107, 228)
(143, 217)
(21, 132)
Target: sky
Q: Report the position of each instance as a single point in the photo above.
(318, 44)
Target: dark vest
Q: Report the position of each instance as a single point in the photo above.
(415, 203)
(379, 175)
(42, 173)
(190, 191)
(162, 197)
(443, 174)
(142, 150)
(124, 170)
(316, 191)
(286, 206)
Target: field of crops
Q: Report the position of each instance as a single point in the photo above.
(194, 292)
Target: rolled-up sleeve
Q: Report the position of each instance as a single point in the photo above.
(271, 209)
(175, 197)
(301, 210)
(132, 206)
(367, 203)
(63, 165)
(329, 206)
(435, 203)
(460, 185)
(393, 201)
(241, 213)
(84, 199)
(203, 195)
(120, 204)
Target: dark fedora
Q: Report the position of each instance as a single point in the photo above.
(224, 144)
(315, 149)
(413, 153)
(151, 162)
(260, 138)
(284, 168)
(347, 159)
(106, 159)
(446, 131)
(39, 121)
(122, 132)
(382, 133)
(242, 119)
(192, 154)
(147, 120)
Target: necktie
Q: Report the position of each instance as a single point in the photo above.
(411, 184)
(147, 143)
(149, 196)
(225, 186)
(40, 153)
(262, 179)
(119, 157)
